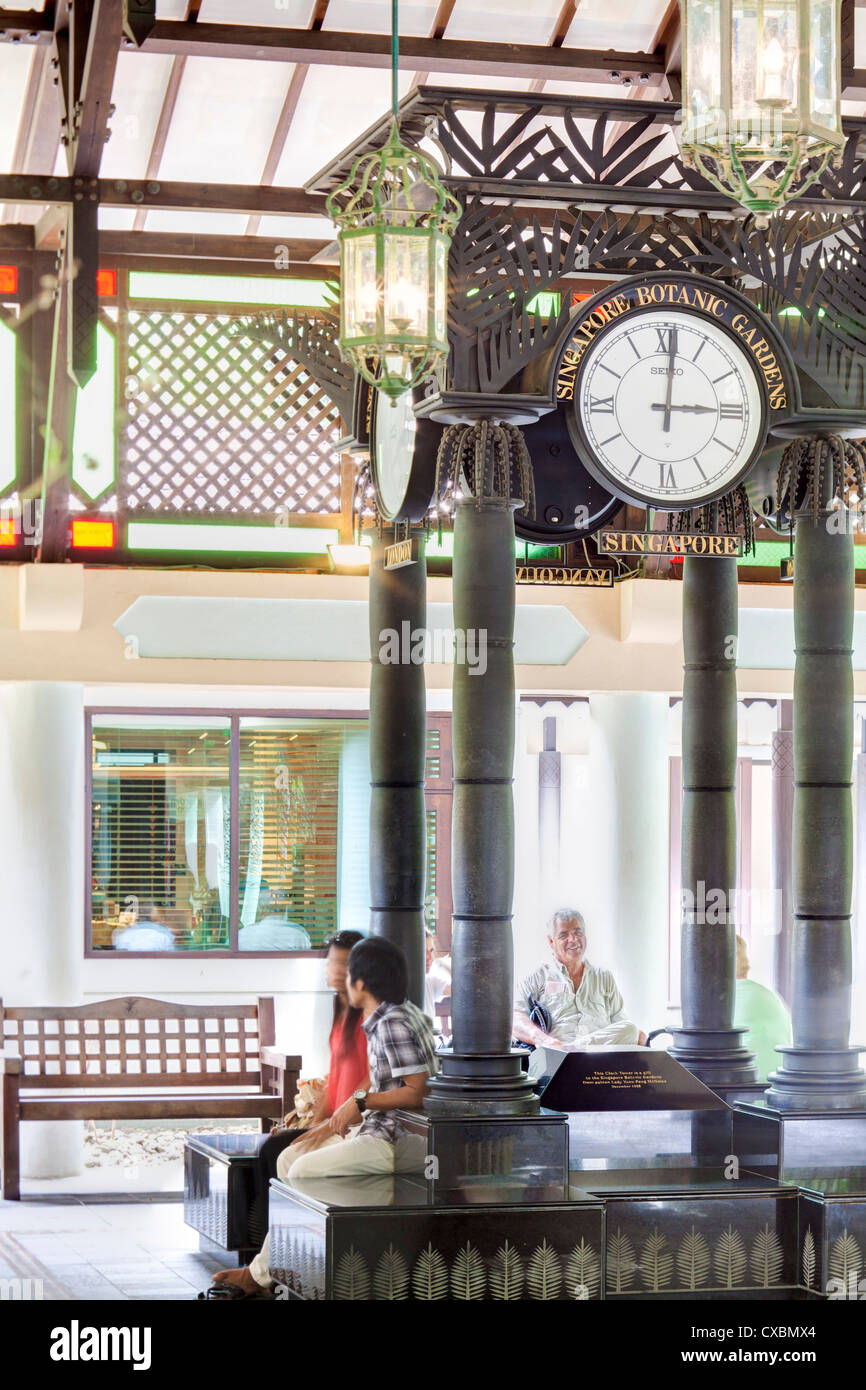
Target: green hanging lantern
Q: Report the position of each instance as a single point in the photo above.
(395, 223)
(761, 96)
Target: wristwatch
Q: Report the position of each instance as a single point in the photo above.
(360, 1099)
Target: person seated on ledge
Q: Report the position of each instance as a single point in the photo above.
(273, 931)
(365, 1134)
(585, 1007)
(763, 1013)
(141, 930)
(347, 1072)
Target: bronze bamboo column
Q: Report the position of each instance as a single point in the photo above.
(481, 1074)
(398, 743)
(707, 1043)
(820, 1070)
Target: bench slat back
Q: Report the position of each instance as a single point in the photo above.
(138, 1042)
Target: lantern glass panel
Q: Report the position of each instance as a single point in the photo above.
(704, 61)
(823, 57)
(440, 291)
(779, 54)
(407, 284)
(360, 297)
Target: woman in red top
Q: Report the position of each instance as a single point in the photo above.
(347, 1072)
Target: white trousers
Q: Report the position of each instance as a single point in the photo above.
(357, 1155)
(611, 1033)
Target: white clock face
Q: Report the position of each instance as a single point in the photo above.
(395, 432)
(670, 408)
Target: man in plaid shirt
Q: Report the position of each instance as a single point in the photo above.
(366, 1135)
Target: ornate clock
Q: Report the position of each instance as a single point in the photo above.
(671, 383)
(403, 452)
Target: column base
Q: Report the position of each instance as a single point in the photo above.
(715, 1056)
(815, 1079)
(481, 1084)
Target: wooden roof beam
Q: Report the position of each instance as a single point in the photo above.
(333, 49)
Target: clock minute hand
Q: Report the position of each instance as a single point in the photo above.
(672, 357)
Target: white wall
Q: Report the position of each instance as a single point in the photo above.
(42, 883)
(613, 850)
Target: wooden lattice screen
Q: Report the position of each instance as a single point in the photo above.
(221, 424)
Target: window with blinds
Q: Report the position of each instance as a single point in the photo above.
(304, 836)
(239, 832)
(160, 833)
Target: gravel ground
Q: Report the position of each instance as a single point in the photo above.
(129, 1147)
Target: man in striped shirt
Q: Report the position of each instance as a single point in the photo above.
(367, 1135)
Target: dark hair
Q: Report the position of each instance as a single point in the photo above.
(382, 966)
(344, 941)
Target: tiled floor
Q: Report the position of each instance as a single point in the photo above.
(103, 1250)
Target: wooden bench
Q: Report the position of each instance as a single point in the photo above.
(126, 1059)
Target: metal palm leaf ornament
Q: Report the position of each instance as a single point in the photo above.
(486, 460)
(821, 475)
(730, 515)
(395, 220)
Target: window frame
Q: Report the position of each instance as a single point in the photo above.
(234, 714)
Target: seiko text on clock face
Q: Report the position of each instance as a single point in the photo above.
(670, 408)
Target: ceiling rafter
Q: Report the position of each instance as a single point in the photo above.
(558, 36)
(287, 115)
(166, 113)
(94, 45)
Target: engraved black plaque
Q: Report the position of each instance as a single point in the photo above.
(621, 1078)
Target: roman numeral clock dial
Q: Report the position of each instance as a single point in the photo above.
(668, 409)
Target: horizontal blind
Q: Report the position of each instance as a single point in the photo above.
(160, 820)
(304, 807)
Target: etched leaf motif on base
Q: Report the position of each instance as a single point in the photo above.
(430, 1275)
(845, 1261)
(391, 1276)
(506, 1273)
(767, 1257)
(729, 1259)
(468, 1275)
(808, 1259)
(583, 1271)
(544, 1273)
(352, 1278)
(656, 1261)
(621, 1262)
(693, 1260)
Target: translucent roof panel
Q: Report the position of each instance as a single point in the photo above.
(478, 84)
(139, 89)
(226, 113)
(336, 106)
(171, 9)
(291, 14)
(116, 219)
(498, 84)
(628, 26)
(374, 16)
(196, 223)
(15, 61)
(285, 228)
(505, 21)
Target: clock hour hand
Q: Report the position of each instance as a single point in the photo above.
(690, 409)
